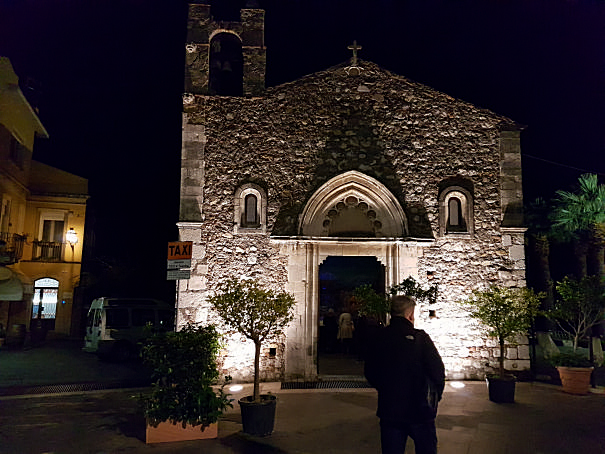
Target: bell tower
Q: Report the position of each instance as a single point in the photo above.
(225, 58)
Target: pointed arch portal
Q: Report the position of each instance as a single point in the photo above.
(335, 223)
(353, 205)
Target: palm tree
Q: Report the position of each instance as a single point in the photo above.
(580, 217)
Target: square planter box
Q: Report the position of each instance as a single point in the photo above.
(166, 432)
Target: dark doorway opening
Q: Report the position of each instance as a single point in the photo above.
(338, 277)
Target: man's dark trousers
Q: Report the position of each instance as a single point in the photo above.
(394, 435)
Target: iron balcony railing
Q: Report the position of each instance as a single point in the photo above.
(47, 251)
(11, 247)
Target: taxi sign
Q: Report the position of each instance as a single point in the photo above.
(179, 256)
(179, 250)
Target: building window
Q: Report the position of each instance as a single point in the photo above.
(52, 230)
(17, 153)
(5, 215)
(250, 209)
(51, 236)
(455, 219)
(455, 212)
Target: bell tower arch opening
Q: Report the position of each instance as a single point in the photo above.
(226, 65)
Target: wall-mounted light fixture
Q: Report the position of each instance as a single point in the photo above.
(71, 237)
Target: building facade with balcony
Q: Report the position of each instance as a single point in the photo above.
(43, 211)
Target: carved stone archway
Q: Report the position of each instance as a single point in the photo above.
(322, 234)
(353, 205)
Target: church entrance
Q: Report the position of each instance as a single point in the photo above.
(343, 331)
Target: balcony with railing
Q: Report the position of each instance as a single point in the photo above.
(47, 251)
(11, 247)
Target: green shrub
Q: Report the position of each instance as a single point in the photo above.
(184, 370)
(570, 359)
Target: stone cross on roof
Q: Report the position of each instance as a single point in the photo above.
(354, 47)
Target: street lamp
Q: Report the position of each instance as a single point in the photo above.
(71, 237)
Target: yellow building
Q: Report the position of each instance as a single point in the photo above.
(41, 222)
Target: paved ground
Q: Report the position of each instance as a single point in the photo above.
(542, 421)
(62, 362)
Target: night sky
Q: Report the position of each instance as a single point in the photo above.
(109, 76)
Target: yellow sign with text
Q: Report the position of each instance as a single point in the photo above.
(179, 250)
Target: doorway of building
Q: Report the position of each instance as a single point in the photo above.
(44, 308)
(338, 310)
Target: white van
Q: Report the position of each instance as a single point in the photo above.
(115, 326)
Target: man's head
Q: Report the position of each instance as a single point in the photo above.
(403, 306)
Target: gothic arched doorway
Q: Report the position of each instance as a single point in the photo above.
(352, 216)
(339, 276)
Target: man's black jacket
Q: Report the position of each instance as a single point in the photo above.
(401, 363)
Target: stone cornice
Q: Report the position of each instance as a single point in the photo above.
(360, 241)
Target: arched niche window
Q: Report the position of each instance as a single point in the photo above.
(455, 220)
(226, 76)
(455, 212)
(250, 209)
(250, 218)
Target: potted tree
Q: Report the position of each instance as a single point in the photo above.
(257, 313)
(505, 313)
(183, 403)
(378, 306)
(375, 307)
(579, 307)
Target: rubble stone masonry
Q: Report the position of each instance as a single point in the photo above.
(292, 139)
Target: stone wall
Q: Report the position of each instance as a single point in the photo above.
(410, 138)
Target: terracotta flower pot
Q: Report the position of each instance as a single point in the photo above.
(575, 380)
(166, 431)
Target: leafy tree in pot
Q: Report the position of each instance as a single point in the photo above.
(579, 307)
(378, 306)
(254, 311)
(184, 370)
(505, 312)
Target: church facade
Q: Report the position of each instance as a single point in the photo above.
(353, 161)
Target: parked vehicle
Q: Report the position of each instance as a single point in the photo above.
(115, 326)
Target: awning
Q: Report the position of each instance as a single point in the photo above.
(11, 287)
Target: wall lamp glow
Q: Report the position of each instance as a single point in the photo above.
(71, 237)
(236, 388)
(456, 384)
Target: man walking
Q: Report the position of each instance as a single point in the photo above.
(407, 371)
